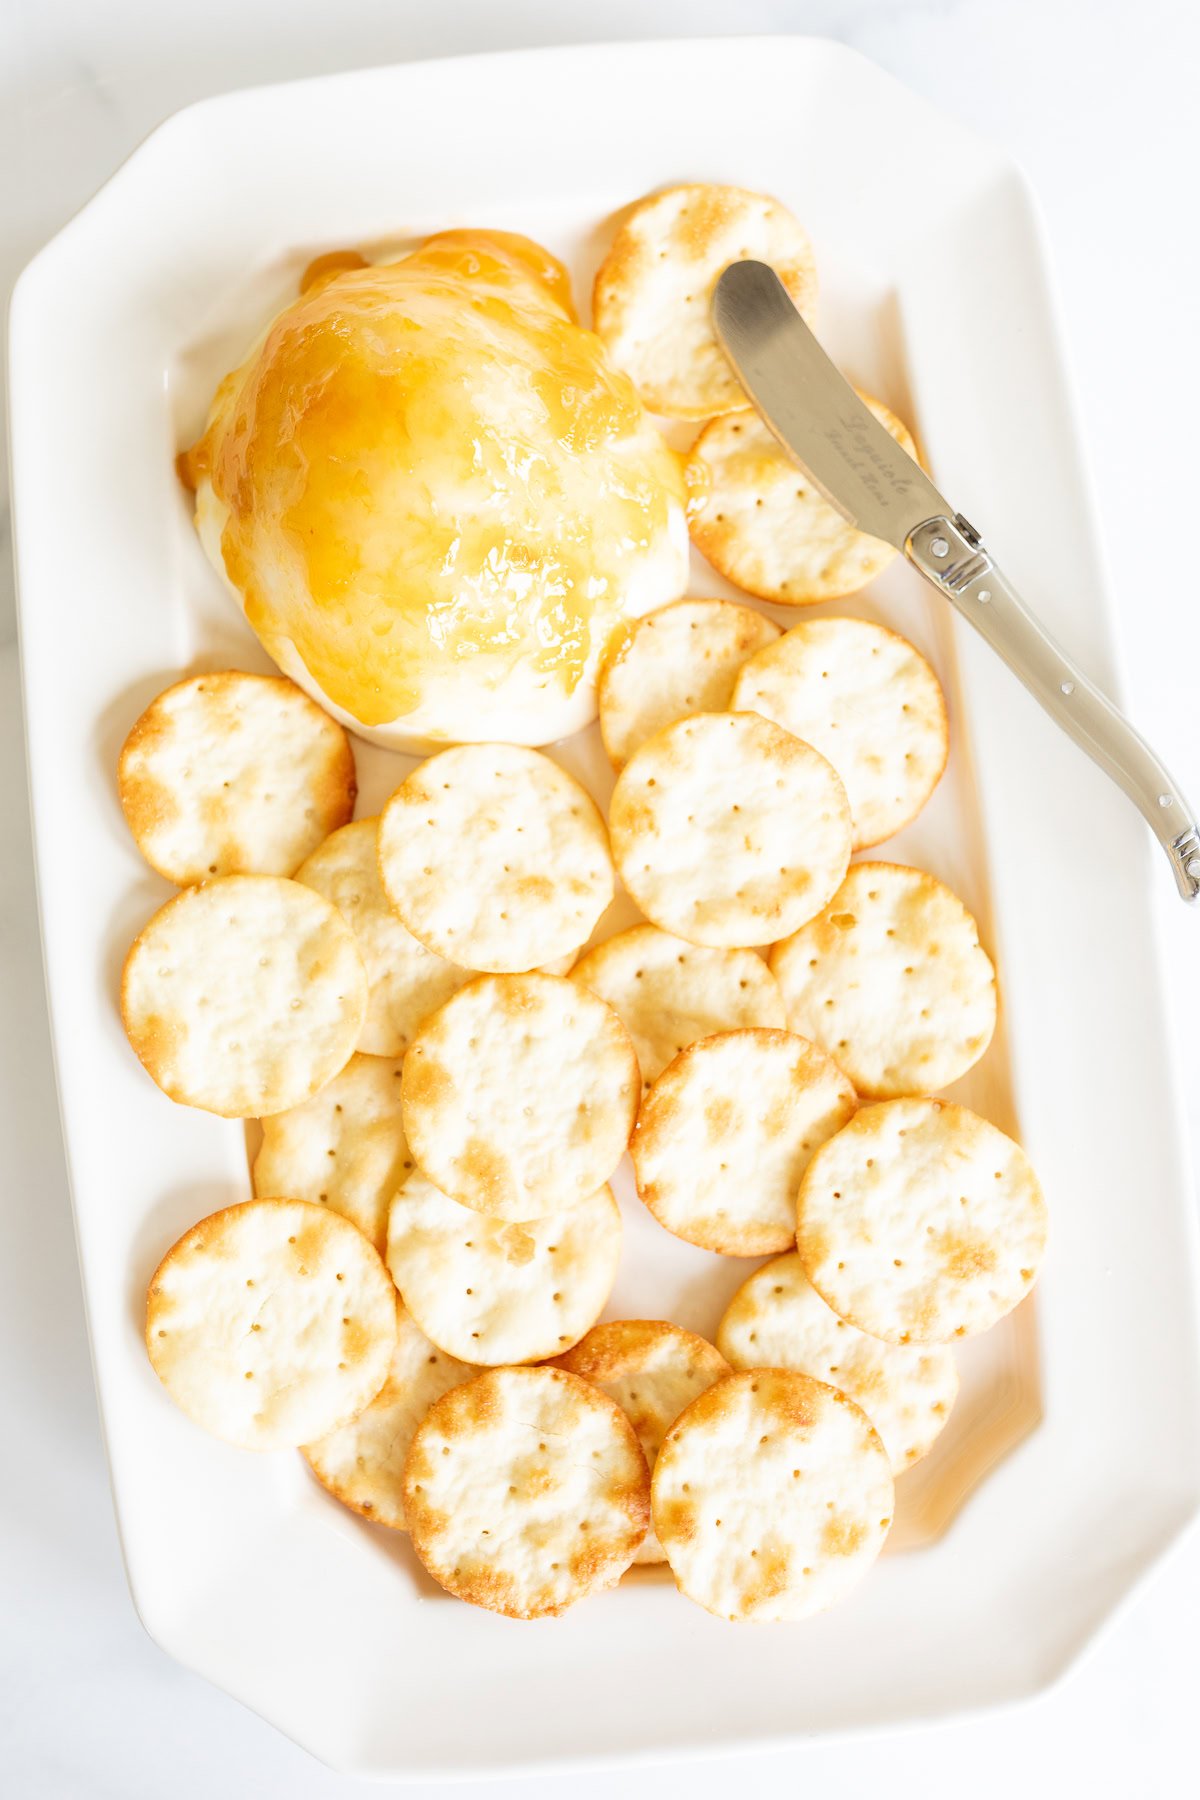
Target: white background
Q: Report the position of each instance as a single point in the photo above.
(1097, 98)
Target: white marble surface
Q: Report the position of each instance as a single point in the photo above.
(1096, 98)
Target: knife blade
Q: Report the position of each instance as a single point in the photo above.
(865, 474)
(813, 410)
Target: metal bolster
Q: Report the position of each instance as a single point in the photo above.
(958, 576)
(960, 559)
(1185, 849)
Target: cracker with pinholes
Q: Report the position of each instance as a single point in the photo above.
(891, 980)
(244, 996)
(496, 858)
(668, 993)
(777, 1320)
(653, 293)
(762, 523)
(681, 660)
(920, 1222)
(525, 1490)
(865, 699)
(407, 981)
(501, 1290)
(520, 1094)
(772, 1496)
(345, 1148)
(271, 1323)
(728, 830)
(362, 1463)
(232, 773)
(727, 1131)
(652, 1370)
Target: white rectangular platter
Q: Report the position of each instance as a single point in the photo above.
(1073, 1457)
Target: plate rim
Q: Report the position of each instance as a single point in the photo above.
(22, 301)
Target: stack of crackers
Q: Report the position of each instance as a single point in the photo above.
(447, 1086)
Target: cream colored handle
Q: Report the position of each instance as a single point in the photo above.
(948, 553)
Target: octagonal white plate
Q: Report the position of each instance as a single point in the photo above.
(936, 297)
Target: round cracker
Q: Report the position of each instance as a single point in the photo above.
(525, 1490)
(668, 993)
(345, 1148)
(245, 996)
(864, 698)
(920, 1222)
(772, 1496)
(760, 521)
(407, 981)
(890, 979)
(559, 965)
(520, 1095)
(271, 1323)
(500, 1291)
(729, 831)
(362, 1463)
(652, 297)
(727, 1131)
(681, 660)
(777, 1320)
(495, 857)
(230, 773)
(652, 1370)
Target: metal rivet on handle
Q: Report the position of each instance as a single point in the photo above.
(1193, 868)
(1165, 800)
(939, 546)
(1068, 688)
(983, 596)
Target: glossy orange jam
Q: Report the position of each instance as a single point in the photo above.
(430, 462)
(333, 262)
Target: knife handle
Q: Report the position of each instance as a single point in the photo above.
(948, 553)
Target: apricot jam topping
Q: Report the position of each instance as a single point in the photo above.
(429, 461)
(324, 268)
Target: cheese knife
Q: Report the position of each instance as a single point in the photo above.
(863, 472)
